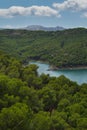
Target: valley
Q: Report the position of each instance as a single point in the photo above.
(63, 49)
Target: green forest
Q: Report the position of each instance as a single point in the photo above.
(32, 102)
(67, 48)
(29, 101)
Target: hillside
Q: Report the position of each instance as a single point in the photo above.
(32, 102)
(67, 48)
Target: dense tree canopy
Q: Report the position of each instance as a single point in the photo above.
(67, 48)
(32, 102)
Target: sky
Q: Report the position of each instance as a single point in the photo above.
(49, 13)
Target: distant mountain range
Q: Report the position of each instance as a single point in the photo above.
(38, 27)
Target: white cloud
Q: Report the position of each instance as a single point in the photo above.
(11, 26)
(32, 10)
(73, 5)
(8, 26)
(85, 15)
(70, 5)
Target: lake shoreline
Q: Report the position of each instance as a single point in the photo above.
(75, 74)
(55, 68)
(51, 67)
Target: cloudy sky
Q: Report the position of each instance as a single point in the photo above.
(20, 13)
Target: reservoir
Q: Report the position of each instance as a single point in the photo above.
(77, 75)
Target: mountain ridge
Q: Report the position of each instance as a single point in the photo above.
(43, 28)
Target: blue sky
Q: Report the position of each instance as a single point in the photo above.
(20, 13)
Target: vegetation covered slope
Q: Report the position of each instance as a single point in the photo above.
(66, 48)
(32, 102)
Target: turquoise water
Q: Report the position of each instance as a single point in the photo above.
(80, 76)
